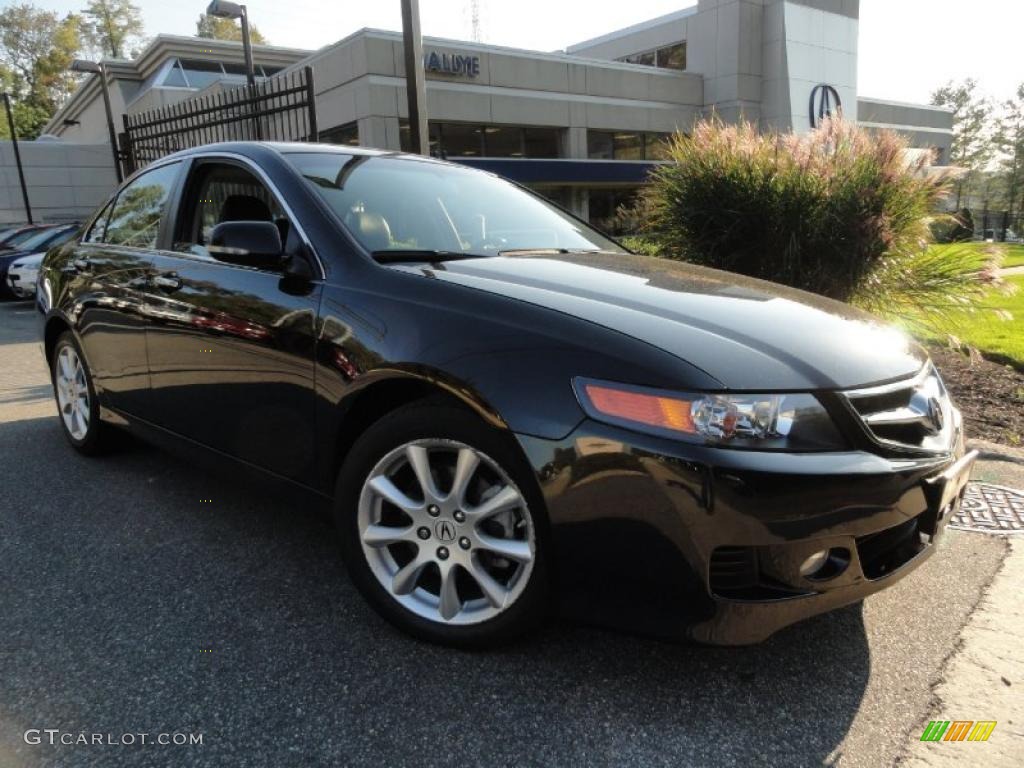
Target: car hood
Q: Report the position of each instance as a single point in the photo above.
(748, 334)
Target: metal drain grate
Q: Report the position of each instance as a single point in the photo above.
(990, 509)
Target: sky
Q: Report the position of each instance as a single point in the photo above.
(907, 47)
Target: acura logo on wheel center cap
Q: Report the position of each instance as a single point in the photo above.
(444, 530)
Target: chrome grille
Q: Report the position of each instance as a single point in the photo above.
(915, 413)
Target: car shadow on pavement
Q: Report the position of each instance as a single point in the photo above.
(142, 593)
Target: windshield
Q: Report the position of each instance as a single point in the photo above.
(393, 204)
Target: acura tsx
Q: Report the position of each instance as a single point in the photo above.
(511, 414)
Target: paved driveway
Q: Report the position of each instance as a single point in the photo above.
(129, 605)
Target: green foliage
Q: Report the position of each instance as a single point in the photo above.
(973, 127)
(214, 28)
(936, 290)
(1010, 142)
(111, 24)
(36, 50)
(820, 211)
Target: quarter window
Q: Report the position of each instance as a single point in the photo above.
(140, 207)
(99, 226)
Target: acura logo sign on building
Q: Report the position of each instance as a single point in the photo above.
(825, 102)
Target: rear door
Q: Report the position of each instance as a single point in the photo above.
(231, 348)
(109, 270)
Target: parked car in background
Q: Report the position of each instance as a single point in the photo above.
(13, 238)
(22, 275)
(37, 244)
(502, 404)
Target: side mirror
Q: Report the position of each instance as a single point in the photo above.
(247, 243)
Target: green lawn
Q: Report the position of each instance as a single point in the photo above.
(1014, 256)
(1000, 340)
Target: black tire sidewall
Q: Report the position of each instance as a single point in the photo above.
(443, 421)
(92, 443)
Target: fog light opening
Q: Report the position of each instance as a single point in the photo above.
(813, 564)
(825, 564)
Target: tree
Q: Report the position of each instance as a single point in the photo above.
(214, 28)
(1010, 141)
(112, 24)
(36, 51)
(972, 130)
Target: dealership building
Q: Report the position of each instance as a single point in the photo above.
(584, 125)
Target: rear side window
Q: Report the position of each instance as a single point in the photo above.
(140, 208)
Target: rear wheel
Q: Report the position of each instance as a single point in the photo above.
(76, 398)
(442, 527)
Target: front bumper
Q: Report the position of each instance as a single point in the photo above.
(704, 543)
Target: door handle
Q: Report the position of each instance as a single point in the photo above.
(169, 282)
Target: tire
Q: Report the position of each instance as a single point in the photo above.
(77, 405)
(454, 572)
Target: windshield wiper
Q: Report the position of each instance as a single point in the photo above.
(398, 256)
(545, 251)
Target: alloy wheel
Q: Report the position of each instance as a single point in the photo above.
(72, 393)
(446, 532)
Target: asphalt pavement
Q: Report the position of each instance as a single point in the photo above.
(141, 593)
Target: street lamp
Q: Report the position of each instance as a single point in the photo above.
(225, 10)
(97, 68)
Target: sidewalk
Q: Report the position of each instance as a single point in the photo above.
(983, 679)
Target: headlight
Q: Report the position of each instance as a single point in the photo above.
(786, 421)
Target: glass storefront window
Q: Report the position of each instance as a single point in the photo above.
(628, 146)
(461, 140)
(542, 142)
(503, 141)
(605, 205)
(175, 77)
(600, 145)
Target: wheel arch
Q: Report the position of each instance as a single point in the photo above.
(385, 391)
(55, 326)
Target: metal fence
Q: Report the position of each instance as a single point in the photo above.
(281, 108)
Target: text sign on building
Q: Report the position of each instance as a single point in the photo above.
(452, 64)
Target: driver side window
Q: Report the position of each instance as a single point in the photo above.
(222, 192)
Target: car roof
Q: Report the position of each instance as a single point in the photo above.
(254, 149)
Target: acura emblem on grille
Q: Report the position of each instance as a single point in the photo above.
(935, 414)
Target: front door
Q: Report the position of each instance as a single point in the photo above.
(231, 348)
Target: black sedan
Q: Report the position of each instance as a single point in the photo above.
(510, 413)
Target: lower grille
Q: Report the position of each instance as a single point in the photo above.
(733, 569)
(883, 552)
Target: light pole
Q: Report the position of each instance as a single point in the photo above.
(97, 68)
(225, 10)
(222, 9)
(415, 81)
(17, 156)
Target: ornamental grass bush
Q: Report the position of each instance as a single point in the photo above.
(836, 211)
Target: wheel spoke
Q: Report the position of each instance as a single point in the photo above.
(465, 467)
(449, 604)
(507, 498)
(383, 487)
(419, 460)
(495, 593)
(513, 549)
(408, 575)
(65, 366)
(383, 535)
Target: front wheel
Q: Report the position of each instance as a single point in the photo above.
(442, 527)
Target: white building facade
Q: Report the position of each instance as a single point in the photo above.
(584, 125)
